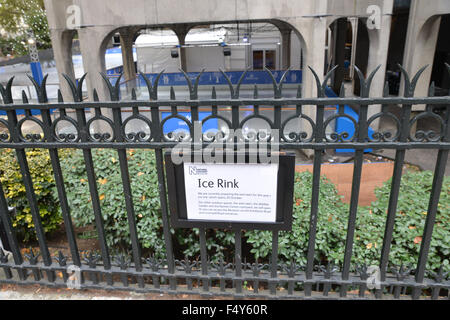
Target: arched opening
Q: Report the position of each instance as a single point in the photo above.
(397, 40)
(68, 61)
(339, 52)
(439, 74)
(231, 47)
(361, 52)
(347, 45)
(157, 50)
(119, 57)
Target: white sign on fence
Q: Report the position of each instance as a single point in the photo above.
(231, 192)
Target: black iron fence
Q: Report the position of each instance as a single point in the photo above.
(277, 279)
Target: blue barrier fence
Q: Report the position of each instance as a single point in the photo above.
(345, 124)
(213, 78)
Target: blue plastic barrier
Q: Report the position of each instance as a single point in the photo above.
(213, 78)
(344, 124)
(176, 124)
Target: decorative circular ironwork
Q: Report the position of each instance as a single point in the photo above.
(253, 135)
(300, 136)
(98, 136)
(31, 137)
(218, 136)
(5, 136)
(65, 137)
(386, 135)
(429, 136)
(175, 136)
(140, 136)
(343, 136)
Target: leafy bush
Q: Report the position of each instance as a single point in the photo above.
(415, 190)
(370, 226)
(331, 224)
(218, 243)
(44, 186)
(145, 195)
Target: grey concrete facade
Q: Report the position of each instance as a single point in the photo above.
(421, 38)
(307, 19)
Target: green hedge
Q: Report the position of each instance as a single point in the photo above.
(370, 226)
(44, 186)
(331, 227)
(144, 185)
(415, 190)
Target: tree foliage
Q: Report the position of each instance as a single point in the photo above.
(41, 174)
(19, 18)
(331, 224)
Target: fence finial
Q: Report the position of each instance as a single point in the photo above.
(410, 85)
(386, 89)
(24, 97)
(114, 92)
(6, 91)
(277, 87)
(95, 95)
(41, 90)
(77, 92)
(234, 91)
(299, 91)
(255, 92)
(60, 97)
(193, 89)
(365, 83)
(152, 89)
(321, 86)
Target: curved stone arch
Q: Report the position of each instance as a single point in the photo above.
(426, 35)
(303, 44)
(362, 50)
(93, 47)
(339, 73)
(180, 29)
(94, 40)
(421, 39)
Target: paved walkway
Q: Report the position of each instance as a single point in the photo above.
(36, 292)
(425, 159)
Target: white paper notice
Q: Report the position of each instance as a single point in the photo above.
(231, 192)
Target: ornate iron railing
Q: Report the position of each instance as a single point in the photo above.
(148, 274)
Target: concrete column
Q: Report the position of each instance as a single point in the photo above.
(314, 55)
(181, 31)
(62, 51)
(93, 43)
(285, 48)
(126, 42)
(129, 70)
(378, 52)
(312, 31)
(419, 51)
(93, 48)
